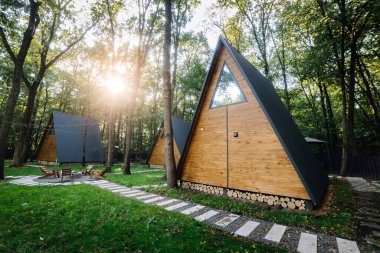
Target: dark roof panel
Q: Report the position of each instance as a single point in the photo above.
(311, 174)
(69, 134)
(181, 129)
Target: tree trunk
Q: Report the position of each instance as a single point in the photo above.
(175, 63)
(36, 138)
(140, 136)
(332, 125)
(8, 115)
(18, 156)
(351, 97)
(111, 139)
(371, 99)
(324, 113)
(168, 130)
(26, 153)
(128, 140)
(19, 61)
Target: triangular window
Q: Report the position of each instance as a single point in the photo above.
(227, 90)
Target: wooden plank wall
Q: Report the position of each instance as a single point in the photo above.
(206, 160)
(158, 154)
(48, 149)
(257, 161)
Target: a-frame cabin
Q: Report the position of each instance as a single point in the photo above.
(156, 157)
(243, 141)
(67, 137)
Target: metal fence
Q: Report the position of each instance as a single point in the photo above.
(358, 166)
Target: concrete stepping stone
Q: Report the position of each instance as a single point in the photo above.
(134, 194)
(166, 202)
(130, 192)
(370, 225)
(120, 190)
(114, 187)
(153, 200)
(146, 196)
(192, 209)
(247, 228)
(370, 213)
(347, 246)
(177, 206)
(307, 243)
(103, 183)
(125, 192)
(226, 220)
(206, 215)
(275, 233)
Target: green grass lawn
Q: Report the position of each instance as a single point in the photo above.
(148, 178)
(84, 218)
(338, 220)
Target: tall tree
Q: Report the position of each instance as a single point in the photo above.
(180, 17)
(147, 24)
(53, 10)
(18, 60)
(168, 129)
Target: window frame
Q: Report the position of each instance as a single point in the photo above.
(216, 87)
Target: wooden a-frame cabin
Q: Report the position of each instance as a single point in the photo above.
(243, 142)
(156, 156)
(67, 138)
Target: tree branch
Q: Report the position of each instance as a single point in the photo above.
(72, 44)
(6, 45)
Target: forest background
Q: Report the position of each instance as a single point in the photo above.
(102, 59)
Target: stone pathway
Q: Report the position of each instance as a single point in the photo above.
(367, 198)
(362, 185)
(31, 181)
(290, 238)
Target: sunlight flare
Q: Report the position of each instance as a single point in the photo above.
(115, 85)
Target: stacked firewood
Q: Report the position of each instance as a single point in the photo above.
(271, 200)
(203, 188)
(156, 166)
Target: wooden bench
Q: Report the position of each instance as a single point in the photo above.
(99, 174)
(48, 173)
(88, 170)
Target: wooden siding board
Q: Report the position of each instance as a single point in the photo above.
(158, 154)
(207, 155)
(47, 151)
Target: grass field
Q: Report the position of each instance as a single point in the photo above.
(337, 219)
(84, 218)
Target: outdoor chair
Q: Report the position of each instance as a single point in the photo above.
(99, 174)
(88, 170)
(67, 173)
(48, 173)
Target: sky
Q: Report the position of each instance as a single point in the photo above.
(201, 22)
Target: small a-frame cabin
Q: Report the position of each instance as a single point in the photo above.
(156, 157)
(243, 142)
(67, 137)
